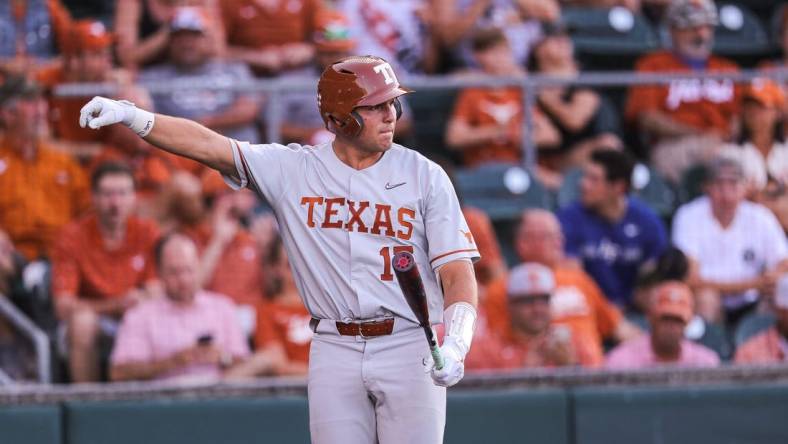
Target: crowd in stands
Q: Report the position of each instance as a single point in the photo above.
(140, 265)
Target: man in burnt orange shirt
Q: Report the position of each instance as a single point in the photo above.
(535, 340)
(686, 120)
(40, 189)
(272, 36)
(101, 266)
(577, 301)
(87, 57)
(230, 258)
(486, 124)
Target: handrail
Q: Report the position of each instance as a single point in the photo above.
(36, 335)
(530, 84)
(296, 386)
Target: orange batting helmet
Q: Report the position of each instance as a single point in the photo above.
(352, 82)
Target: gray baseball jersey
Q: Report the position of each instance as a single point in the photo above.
(341, 226)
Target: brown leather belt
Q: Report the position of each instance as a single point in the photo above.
(364, 329)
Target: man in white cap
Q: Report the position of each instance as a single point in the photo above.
(534, 340)
(685, 120)
(770, 346)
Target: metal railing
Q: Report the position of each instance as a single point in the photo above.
(274, 89)
(36, 336)
(291, 386)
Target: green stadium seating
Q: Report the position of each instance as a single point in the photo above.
(649, 186)
(31, 424)
(431, 111)
(600, 46)
(502, 190)
(751, 325)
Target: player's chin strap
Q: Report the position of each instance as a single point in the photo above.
(460, 321)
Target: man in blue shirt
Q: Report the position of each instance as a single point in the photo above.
(612, 234)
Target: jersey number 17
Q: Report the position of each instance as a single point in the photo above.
(386, 253)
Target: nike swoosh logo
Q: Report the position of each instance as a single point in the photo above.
(390, 187)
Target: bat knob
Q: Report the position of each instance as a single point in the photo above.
(403, 261)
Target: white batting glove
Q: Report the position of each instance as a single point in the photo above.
(101, 111)
(453, 366)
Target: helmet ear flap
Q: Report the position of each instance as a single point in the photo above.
(355, 124)
(398, 107)
(350, 126)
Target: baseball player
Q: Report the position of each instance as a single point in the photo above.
(345, 208)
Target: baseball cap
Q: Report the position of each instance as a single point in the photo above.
(766, 92)
(332, 32)
(18, 86)
(529, 279)
(781, 295)
(86, 35)
(689, 13)
(673, 298)
(189, 18)
(725, 167)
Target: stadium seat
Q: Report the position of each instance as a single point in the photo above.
(609, 38)
(647, 185)
(650, 187)
(774, 25)
(692, 183)
(751, 325)
(431, 112)
(502, 190)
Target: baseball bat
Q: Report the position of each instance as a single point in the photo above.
(413, 289)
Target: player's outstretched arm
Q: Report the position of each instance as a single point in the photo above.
(178, 136)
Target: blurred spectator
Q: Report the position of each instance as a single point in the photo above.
(670, 310)
(401, 32)
(770, 346)
(333, 41)
(736, 248)
(31, 32)
(190, 59)
(762, 149)
(189, 333)
(143, 30)
(585, 121)
(632, 5)
(271, 37)
(486, 123)
(535, 340)
(101, 266)
(612, 234)
(40, 189)
(152, 168)
(492, 265)
(230, 258)
(283, 333)
(673, 265)
(87, 57)
(17, 357)
(686, 121)
(577, 301)
(455, 22)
